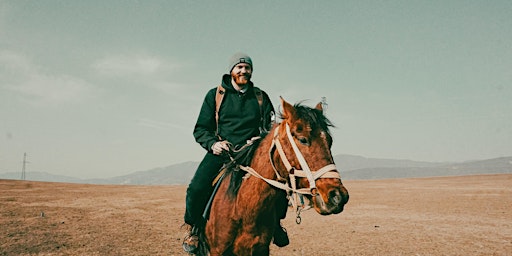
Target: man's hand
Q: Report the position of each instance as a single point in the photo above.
(219, 146)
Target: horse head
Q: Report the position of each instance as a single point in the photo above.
(304, 144)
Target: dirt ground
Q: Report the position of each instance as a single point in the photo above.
(469, 215)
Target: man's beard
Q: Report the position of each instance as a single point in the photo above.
(241, 79)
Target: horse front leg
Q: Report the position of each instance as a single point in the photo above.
(220, 238)
(253, 243)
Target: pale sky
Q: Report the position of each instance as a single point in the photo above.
(96, 89)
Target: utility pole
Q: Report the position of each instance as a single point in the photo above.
(24, 165)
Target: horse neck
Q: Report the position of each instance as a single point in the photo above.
(261, 161)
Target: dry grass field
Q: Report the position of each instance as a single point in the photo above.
(468, 215)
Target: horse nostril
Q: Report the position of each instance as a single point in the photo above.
(335, 197)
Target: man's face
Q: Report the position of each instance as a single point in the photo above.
(241, 73)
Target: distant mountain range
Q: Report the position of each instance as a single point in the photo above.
(358, 168)
(351, 168)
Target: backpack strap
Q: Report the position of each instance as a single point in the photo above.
(259, 97)
(219, 96)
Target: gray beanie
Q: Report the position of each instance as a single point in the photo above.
(239, 58)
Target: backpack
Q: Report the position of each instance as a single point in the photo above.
(219, 96)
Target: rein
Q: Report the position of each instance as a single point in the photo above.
(291, 187)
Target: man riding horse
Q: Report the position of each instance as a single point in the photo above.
(245, 112)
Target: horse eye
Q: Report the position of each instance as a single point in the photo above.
(304, 141)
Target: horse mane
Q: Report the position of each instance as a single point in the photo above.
(234, 182)
(314, 117)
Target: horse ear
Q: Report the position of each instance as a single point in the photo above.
(319, 106)
(288, 109)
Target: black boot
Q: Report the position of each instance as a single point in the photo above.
(191, 241)
(280, 236)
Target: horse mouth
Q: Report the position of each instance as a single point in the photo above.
(337, 198)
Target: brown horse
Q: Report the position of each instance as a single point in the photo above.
(295, 157)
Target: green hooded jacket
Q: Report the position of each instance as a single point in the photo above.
(239, 116)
